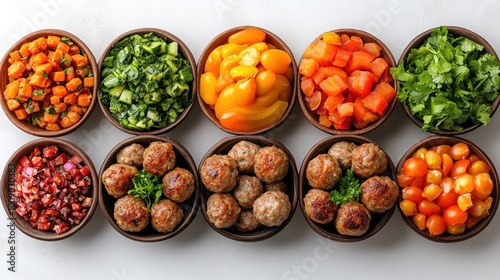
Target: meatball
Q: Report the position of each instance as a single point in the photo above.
(219, 173)
(243, 153)
(165, 215)
(247, 222)
(247, 190)
(131, 213)
(353, 219)
(178, 184)
(272, 208)
(222, 210)
(368, 160)
(159, 158)
(271, 164)
(131, 155)
(319, 207)
(277, 186)
(323, 172)
(379, 193)
(342, 152)
(117, 179)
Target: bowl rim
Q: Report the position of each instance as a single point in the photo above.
(6, 186)
(263, 232)
(324, 145)
(200, 70)
(180, 150)
(456, 30)
(434, 140)
(184, 51)
(35, 130)
(385, 53)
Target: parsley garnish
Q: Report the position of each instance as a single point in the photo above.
(349, 189)
(147, 187)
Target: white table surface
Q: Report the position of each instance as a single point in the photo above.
(297, 252)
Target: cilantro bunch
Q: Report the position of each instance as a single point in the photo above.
(147, 187)
(448, 82)
(349, 189)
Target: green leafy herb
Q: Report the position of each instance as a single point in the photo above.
(147, 187)
(349, 188)
(448, 82)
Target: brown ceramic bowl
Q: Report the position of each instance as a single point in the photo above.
(189, 207)
(385, 52)
(432, 141)
(4, 80)
(8, 187)
(457, 31)
(184, 52)
(291, 179)
(221, 39)
(378, 220)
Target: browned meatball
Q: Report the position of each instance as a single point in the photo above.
(131, 213)
(323, 172)
(219, 173)
(379, 193)
(117, 179)
(159, 158)
(271, 164)
(178, 184)
(247, 190)
(319, 207)
(246, 221)
(276, 186)
(131, 155)
(368, 160)
(222, 210)
(353, 219)
(272, 208)
(243, 153)
(342, 152)
(165, 215)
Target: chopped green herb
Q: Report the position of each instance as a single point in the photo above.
(349, 188)
(147, 187)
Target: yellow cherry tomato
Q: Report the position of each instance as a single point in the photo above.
(208, 85)
(228, 63)
(243, 72)
(249, 56)
(247, 36)
(245, 91)
(226, 100)
(276, 60)
(231, 49)
(265, 81)
(213, 61)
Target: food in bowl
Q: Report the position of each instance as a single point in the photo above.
(50, 82)
(52, 189)
(345, 81)
(449, 81)
(447, 189)
(247, 81)
(146, 83)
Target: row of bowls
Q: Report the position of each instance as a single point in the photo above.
(209, 112)
(295, 179)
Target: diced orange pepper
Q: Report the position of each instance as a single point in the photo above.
(88, 82)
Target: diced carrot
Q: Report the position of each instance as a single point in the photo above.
(53, 41)
(38, 79)
(332, 38)
(21, 114)
(333, 85)
(57, 56)
(45, 68)
(308, 67)
(307, 85)
(59, 91)
(52, 126)
(386, 90)
(38, 45)
(62, 47)
(375, 102)
(88, 82)
(84, 100)
(70, 119)
(378, 66)
(74, 49)
(346, 109)
(359, 110)
(65, 60)
(13, 104)
(16, 69)
(25, 90)
(73, 84)
(332, 102)
(60, 107)
(73, 116)
(79, 60)
(15, 56)
(58, 76)
(373, 48)
(39, 58)
(39, 121)
(12, 89)
(76, 109)
(38, 95)
(70, 73)
(24, 51)
(324, 121)
(70, 99)
(54, 99)
(50, 118)
(32, 107)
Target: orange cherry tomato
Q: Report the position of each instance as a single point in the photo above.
(478, 167)
(247, 36)
(420, 153)
(436, 225)
(483, 183)
(432, 191)
(460, 167)
(245, 91)
(276, 60)
(453, 215)
(456, 229)
(428, 208)
(231, 49)
(459, 151)
(447, 199)
(213, 62)
(413, 194)
(419, 220)
(464, 201)
(408, 207)
(433, 159)
(464, 184)
(415, 167)
(208, 86)
(265, 81)
(447, 164)
(442, 149)
(243, 72)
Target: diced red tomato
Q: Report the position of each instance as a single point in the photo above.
(307, 85)
(355, 43)
(341, 57)
(321, 52)
(378, 67)
(333, 85)
(360, 82)
(386, 90)
(308, 67)
(373, 48)
(346, 109)
(359, 60)
(375, 102)
(332, 102)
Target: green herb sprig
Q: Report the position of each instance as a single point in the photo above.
(147, 187)
(349, 188)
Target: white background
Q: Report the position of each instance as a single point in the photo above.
(396, 252)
